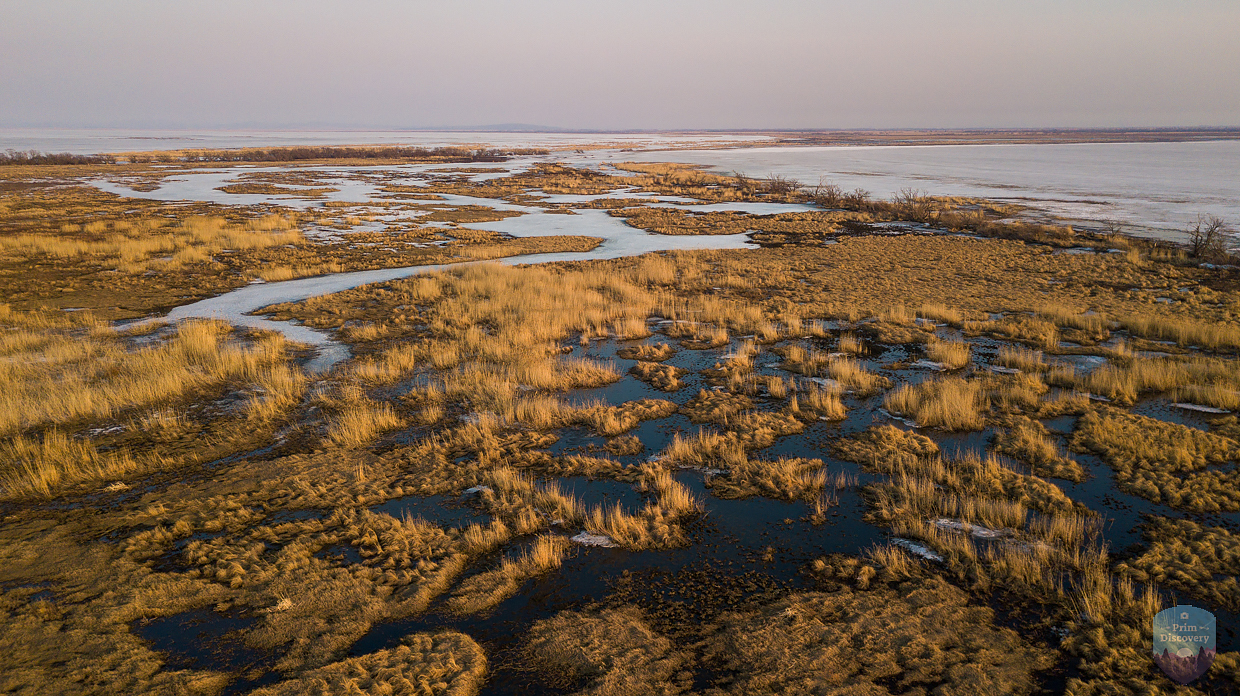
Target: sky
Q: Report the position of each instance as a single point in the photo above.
(619, 65)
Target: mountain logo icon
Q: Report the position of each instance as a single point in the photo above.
(1184, 642)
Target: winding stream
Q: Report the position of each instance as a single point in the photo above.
(618, 239)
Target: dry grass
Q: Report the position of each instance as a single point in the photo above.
(951, 404)
(849, 343)
(486, 590)
(62, 374)
(41, 466)
(1023, 359)
(612, 651)
(1163, 462)
(852, 375)
(1029, 441)
(702, 450)
(853, 640)
(951, 354)
(1039, 332)
(715, 406)
(664, 377)
(625, 445)
(610, 421)
(657, 352)
(452, 662)
(1215, 336)
(942, 313)
(1190, 557)
(359, 423)
(1206, 378)
(96, 375)
(815, 401)
(153, 243)
(786, 479)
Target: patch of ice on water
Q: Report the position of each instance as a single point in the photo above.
(476, 490)
(929, 365)
(1004, 370)
(588, 539)
(1199, 407)
(975, 530)
(826, 382)
(1096, 397)
(917, 549)
(892, 416)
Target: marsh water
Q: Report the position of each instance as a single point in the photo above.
(738, 551)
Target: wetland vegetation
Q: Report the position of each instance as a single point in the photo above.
(905, 446)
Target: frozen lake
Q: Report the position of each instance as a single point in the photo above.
(1153, 189)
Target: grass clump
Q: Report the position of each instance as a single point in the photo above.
(664, 377)
(1163, 462)
(951, 404)
(784, 478)
(151, 244)
(715, 406)
(942, 313)
(953, 355)
(1020, 358)
(447, 663)
(886, 448)
(43, 465)
(814, 401)
(610, 651)
(1028, 441)
(849, 343)
(853, 641)
(657, 352)
(1214, 336)
(610, 421)
(625, 445)
(1188, 556)
(486, 590)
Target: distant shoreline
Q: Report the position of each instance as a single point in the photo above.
(118, 141)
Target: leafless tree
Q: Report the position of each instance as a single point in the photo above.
(858, 199)
(777, 184)
(828, 195)
(1208, 239)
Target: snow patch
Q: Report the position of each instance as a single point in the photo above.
(917, 549)
(588, 539)
(1199, 407)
